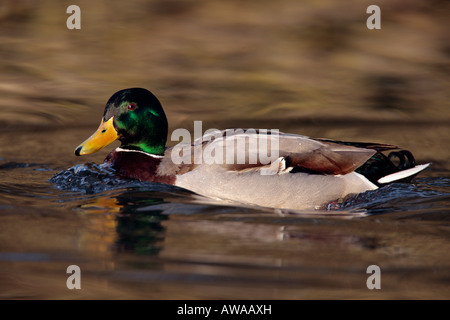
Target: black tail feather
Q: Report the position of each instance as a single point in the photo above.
(381, 165)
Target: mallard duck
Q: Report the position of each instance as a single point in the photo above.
(306, 173)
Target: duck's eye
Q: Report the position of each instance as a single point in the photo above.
(131, 106)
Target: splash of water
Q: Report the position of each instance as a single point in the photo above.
(425, 194)
(90, 178)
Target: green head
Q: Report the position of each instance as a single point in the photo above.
(135, 117)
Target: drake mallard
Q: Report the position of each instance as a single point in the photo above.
(307, 172)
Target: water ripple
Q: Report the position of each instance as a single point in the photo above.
(426, 194)
(91, 178)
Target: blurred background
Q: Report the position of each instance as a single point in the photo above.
(306, 67)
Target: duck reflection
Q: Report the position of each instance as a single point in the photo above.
(146, 222)
(140, 231)
(126, 222)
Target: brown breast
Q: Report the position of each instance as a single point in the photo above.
(138, 165)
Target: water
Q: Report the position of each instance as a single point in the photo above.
(137, 240)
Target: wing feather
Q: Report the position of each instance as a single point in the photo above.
(240, 149)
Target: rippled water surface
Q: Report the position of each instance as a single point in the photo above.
(300, 67)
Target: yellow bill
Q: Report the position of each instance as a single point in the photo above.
(104, 135)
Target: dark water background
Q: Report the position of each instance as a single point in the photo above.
(307, 67)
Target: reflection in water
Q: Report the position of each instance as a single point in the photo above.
(137, 220)
(139, 231)
(173, 245)
(118, 223)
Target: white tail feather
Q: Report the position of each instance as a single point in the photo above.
(403, 174)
